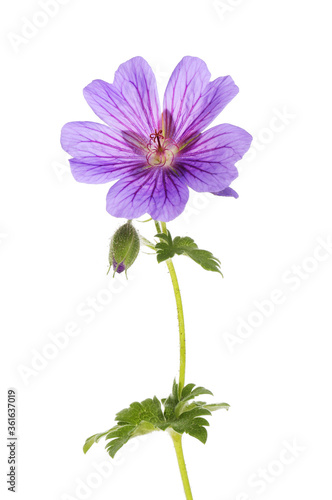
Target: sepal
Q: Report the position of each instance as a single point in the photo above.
(124, 248)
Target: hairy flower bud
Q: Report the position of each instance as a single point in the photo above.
(124, 248)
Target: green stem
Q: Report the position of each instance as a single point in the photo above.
(156, 223)
(177, 441)
(179, 307)
(177, 438)
(181, 324)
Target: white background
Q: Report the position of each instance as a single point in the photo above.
(54, 236)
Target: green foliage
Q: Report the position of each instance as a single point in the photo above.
(167, 248)
(180, 414)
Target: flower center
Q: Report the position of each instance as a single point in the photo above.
(161, 151)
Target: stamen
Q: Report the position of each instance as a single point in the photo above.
(161, 151)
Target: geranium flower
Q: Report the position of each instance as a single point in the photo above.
(155, 157)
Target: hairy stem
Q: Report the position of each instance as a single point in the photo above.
(177, 438)
(182, 336)
(177, 441)
(179, 307)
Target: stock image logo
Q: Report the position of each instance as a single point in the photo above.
(30, 27)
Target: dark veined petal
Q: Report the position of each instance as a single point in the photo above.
(156, 191)
(227, 192)
(93, 171)
(131, 102)
(207, 163)
(191, 103)
(100, 154)
(80, 138)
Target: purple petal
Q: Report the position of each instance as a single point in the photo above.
(118, 268)
(100, 154)
(156, 191)
(207, 163)
(227, 192)
(131, 103)
(92, 171)
(191, 103)
(82, 138)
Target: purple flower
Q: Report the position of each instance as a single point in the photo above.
(156, 156)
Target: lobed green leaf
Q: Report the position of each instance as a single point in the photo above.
(167, 248)
(180, 413)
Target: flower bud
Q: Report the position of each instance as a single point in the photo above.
(124, 248)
